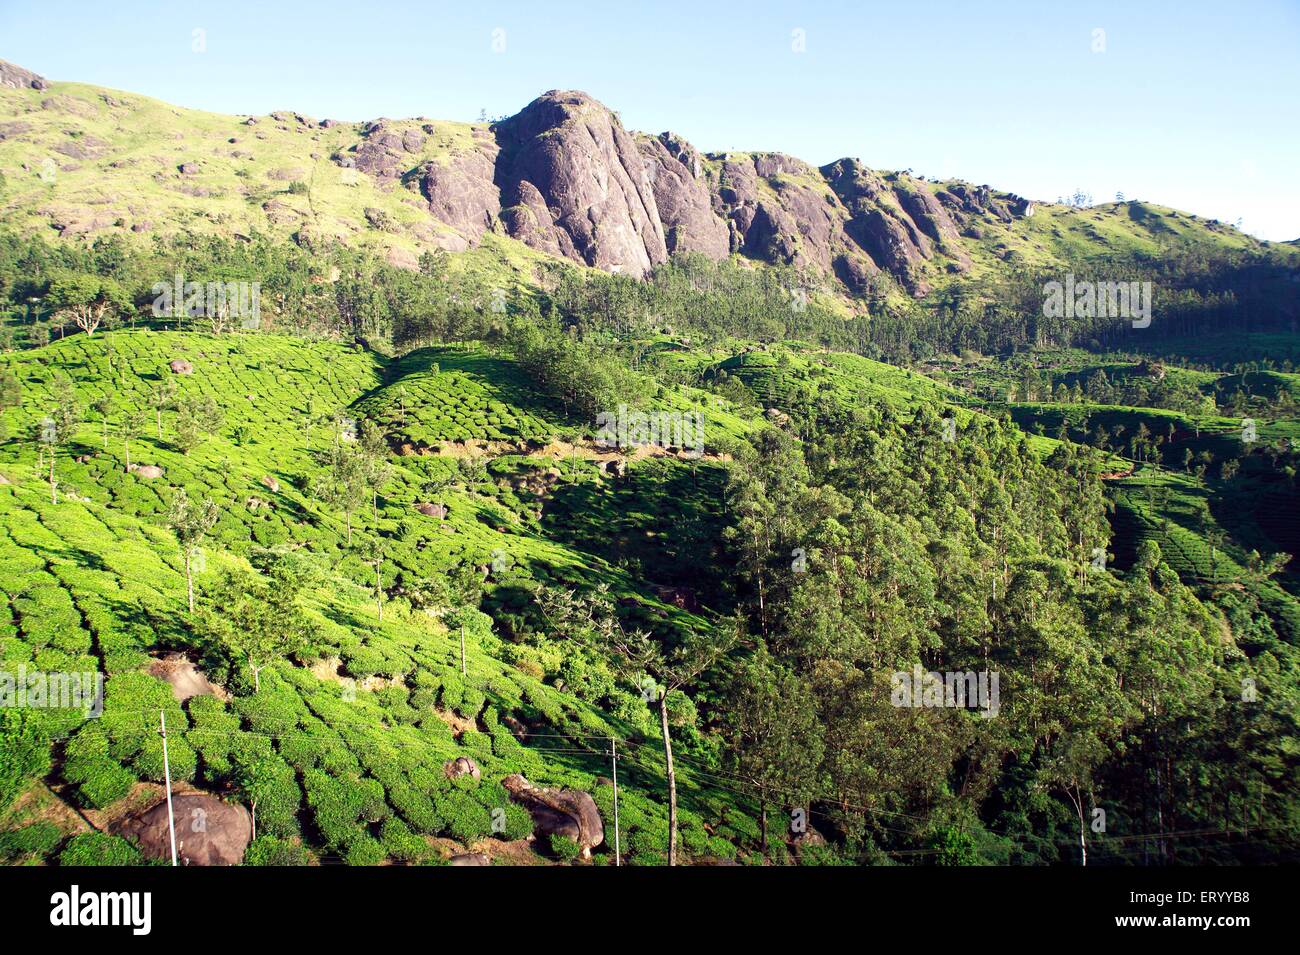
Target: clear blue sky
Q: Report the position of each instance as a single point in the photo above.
(1191, 104)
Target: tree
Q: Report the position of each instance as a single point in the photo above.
(256, 777)
(374, 448)
(771, 728)
(88, 300)
(57, 427)
(376, 558)
(196, 419)
(103, 406)
(434, 489)
(133, 423)
(254, 620)
(11, 395)
(641, 659)
(346, 484)
(191, 521)
(465, 588)
(162, 396)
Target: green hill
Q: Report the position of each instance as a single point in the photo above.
(364, 718)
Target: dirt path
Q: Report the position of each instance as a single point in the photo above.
(186, 679)
(557, 450)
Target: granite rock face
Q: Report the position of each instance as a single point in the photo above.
(15, 77)
(461, 192)
(562, 812)
(683, 196)
(576, 182)
(566, 178)
(208, 831)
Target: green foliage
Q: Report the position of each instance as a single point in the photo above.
(39, 840)
(24, 752)
(274, 851)
(99, 849)
(564, 848)
(964, 555)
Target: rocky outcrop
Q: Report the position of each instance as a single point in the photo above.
(384, 152)
(575, 184)
(15, 77)
(683, 197)
(564, 177)
(968, 202)
(208, 831)
(461, 766)
(461, 191)
(880, 226)
(778, 210)
(562, 812)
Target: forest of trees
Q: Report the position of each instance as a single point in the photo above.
(47, 291)
(877, 546)
(870, 547)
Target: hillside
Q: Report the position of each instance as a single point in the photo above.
(468, 458)
(485, 499)
(561, 179)
(378, 702)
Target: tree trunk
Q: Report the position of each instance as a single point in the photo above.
(672, 779)
(762, 818)
(1083, 842)
(254, 815)
(189, 582)
(462, 650)
(128, 457)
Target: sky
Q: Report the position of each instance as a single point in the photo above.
(1190, 104)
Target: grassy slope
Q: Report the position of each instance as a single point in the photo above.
(92, 161)
(124, 171)
(97, 583)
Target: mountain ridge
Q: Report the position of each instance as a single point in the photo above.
(562, 177)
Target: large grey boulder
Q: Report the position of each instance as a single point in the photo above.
(561, 812)
(208, 831)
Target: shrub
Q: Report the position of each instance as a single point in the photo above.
(24, 754)
(564, 848)
(416, 808)
(401, 843)
(365, 850)
(465, 818)
(273, 851)
(106, 782)
(99, 849)
(38, 839)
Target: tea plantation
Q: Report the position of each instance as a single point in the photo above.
(345, 739)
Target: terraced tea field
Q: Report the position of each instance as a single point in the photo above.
(351, 732)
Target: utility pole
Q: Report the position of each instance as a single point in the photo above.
(167, 777)
(613, 755)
